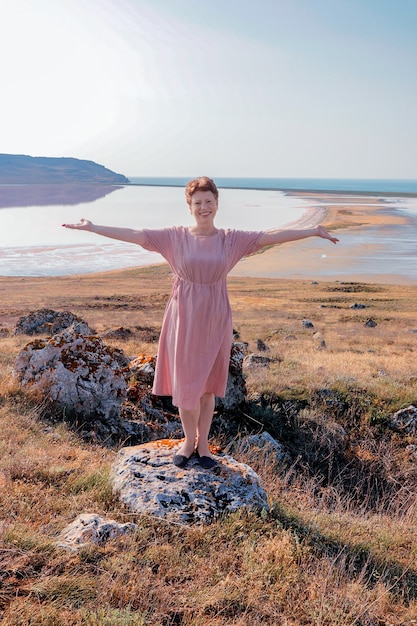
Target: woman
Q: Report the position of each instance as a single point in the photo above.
(196, 336)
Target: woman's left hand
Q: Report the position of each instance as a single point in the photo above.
(322, 232)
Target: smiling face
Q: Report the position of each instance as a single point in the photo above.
(203, 207)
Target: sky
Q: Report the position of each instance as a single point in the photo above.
(272, 88)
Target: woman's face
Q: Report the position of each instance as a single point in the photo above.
(203, 207)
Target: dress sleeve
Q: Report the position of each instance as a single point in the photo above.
(161, 241)
(242, 243)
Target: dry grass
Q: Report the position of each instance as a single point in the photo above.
(339, 546)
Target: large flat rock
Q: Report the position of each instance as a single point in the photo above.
(148, 482)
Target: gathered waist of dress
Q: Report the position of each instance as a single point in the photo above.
(181, 279)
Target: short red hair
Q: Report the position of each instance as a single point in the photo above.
(203, 183)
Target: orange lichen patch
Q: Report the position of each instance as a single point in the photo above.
(142, 359)
(166, 443)
(172, 443)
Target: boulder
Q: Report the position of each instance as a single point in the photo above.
(158, 418)
(91, 529)
(236, 386)
(237, 353)
(49, 322)
(235, 393)
(74, 374)
(263, 444)
(147, 481)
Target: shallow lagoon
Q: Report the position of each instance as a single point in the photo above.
(33, 242)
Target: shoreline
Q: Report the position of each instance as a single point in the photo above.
(179, 181)
(348, 261)
(297, 192)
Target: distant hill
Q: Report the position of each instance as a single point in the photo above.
(19, 168)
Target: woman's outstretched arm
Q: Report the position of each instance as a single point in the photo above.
(277, 235)
(123, 234)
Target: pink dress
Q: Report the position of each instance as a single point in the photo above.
(196, 336)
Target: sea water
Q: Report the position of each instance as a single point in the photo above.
(340, 185)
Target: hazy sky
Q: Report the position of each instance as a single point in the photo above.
(274, 88)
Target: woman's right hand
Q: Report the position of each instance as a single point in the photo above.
(82, 225)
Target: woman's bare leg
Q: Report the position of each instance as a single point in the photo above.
(196, 425)
(204, 423)
(189, 421)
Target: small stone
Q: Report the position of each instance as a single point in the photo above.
(411, 450)
(261, 346)
(91, 529)
(307, 324)
(405, 420)
(370, 323)
(256, 360)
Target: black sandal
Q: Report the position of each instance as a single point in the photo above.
(207, 462)
(180, 460)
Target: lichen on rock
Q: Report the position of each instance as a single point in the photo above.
(148, 482)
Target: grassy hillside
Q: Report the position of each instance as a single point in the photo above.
(20, 168)
(340, 544)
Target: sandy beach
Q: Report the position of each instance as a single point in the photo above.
(369, 231)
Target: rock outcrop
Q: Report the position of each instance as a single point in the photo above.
(50, 322)
(265, 446)
(236, 386)
(147, 481)
(109, 397)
